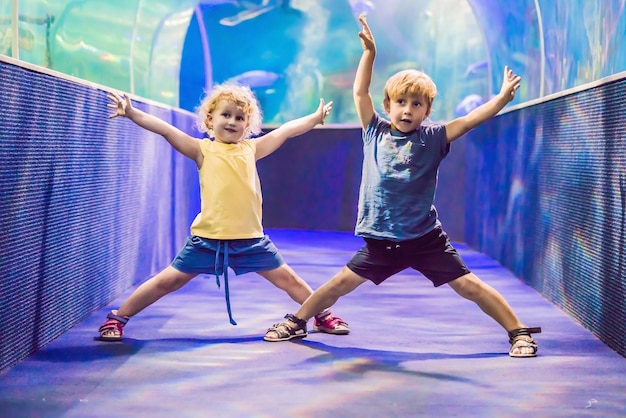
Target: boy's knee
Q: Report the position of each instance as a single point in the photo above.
(468, 286)
(342, 283)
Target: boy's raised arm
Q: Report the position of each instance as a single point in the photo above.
(183, 143)
(361, 88)
(270, 142)
(460, 126)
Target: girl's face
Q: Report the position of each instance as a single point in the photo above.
(228, 122)
(407, 112)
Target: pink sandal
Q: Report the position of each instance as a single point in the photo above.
(331, 324)
(114, 323)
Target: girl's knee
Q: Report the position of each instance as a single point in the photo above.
(171, 280)
(289, 282)
(284, 278)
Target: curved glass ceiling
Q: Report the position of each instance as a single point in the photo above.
(291, 52)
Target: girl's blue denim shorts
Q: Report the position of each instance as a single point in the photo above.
(213, 256)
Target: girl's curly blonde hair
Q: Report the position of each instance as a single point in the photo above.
(241, 96)
(410, 82)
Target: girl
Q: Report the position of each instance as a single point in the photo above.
(228, 231)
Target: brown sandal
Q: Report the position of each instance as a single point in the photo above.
(521, 338)
(284, 332)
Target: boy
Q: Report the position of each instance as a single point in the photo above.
(396, 216)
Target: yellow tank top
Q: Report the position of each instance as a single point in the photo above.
(230, 192)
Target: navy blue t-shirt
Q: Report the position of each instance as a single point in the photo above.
(399, 180)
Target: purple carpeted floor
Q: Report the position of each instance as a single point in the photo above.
(414, 351)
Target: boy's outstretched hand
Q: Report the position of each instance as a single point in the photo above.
(367, 39)
(121, 104)
(323, 110)
(510, 84)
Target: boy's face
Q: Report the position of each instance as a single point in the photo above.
(229, 122)
(407, 112)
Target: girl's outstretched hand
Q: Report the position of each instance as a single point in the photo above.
(323, 110)
(121, 104)
(510, 84)
(367, 39)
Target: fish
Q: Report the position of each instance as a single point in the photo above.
(251, 11)
(477, 69)
(217, 2)
(467, 104)
(255, 78)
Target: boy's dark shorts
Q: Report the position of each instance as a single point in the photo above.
(432, 255)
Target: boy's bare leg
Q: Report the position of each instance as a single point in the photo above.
(326, 295)
(490, 301)
(286, 279)
(340, 285)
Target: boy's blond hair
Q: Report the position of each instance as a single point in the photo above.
(410, 82)
(241, 96)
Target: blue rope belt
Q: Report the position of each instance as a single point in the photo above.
(225, 271)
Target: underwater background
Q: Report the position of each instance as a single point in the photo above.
(292, 52)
